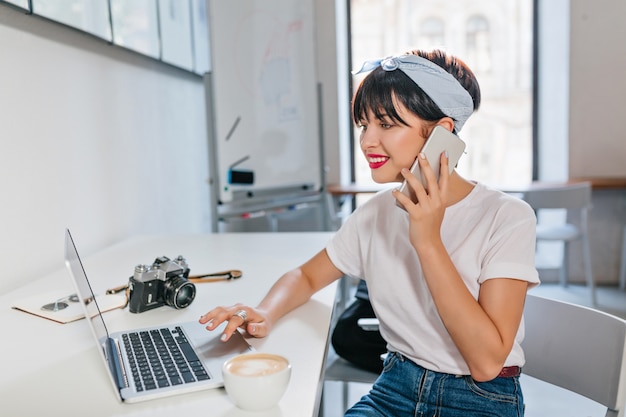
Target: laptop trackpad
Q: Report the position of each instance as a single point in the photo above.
(209, 345)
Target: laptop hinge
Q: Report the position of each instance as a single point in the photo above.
(115, 363)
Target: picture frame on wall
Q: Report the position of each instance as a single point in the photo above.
(201, 41)
(22, 4)
(136, 26)
(91, 16)
(176, 33)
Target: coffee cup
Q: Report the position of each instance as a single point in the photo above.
(256, 381)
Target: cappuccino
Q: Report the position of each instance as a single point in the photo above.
(256, 364)
(256, 381)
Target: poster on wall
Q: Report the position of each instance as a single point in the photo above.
(200, 27)
(91, 16)
(136, 26)
(20, 3)
(175, 26)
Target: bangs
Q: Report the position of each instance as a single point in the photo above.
(377, 94)
(381, 91)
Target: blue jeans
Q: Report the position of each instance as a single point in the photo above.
(406, 389)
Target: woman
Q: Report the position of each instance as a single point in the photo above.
(447, 278)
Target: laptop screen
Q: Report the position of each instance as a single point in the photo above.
(83, 288)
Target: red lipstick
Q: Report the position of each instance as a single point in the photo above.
(376, 161)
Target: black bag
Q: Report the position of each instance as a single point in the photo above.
(360, 347)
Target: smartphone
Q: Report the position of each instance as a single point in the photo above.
(368, 324)
(439, 141)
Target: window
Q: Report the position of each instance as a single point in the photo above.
(431, 33)
(478, 55)
(495, 39)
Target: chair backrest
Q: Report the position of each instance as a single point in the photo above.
(568, 196)
(577, 348)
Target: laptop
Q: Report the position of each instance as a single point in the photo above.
(153, 362)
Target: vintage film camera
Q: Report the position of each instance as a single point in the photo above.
(163, 282)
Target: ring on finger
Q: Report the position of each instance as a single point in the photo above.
(242, 314)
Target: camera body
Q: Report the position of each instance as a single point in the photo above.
(165, 282)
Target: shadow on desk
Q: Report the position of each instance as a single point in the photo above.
(47, 399)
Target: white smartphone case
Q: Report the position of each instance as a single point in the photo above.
(439, 141)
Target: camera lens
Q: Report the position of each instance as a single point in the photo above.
(178, 292)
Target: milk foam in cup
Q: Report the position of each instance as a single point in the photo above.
(256, 381)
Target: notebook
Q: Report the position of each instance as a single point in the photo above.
(191, 358)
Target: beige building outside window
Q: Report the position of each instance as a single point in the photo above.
(494, 37)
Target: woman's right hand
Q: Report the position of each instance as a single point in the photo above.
(252, 320)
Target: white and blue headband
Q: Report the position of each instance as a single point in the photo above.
(445, 90)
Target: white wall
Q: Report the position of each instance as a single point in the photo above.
(597, 89)
(94, 138)
(107, 142)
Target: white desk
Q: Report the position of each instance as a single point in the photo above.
(55, 369)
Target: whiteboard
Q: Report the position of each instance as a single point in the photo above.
(265, 99)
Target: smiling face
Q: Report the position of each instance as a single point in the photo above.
(388, 145)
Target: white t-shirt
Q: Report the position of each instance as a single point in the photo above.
(488, 234)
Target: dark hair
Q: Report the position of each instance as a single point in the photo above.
(378, 91)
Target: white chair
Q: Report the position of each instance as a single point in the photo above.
(576, 348)
(576, 196)
(337, 368)
(340, 370)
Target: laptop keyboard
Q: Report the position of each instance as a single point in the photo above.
(161, 358)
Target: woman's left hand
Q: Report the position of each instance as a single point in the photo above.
(426, 215)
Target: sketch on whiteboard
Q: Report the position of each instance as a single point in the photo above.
(268, 71)
(265, 88)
